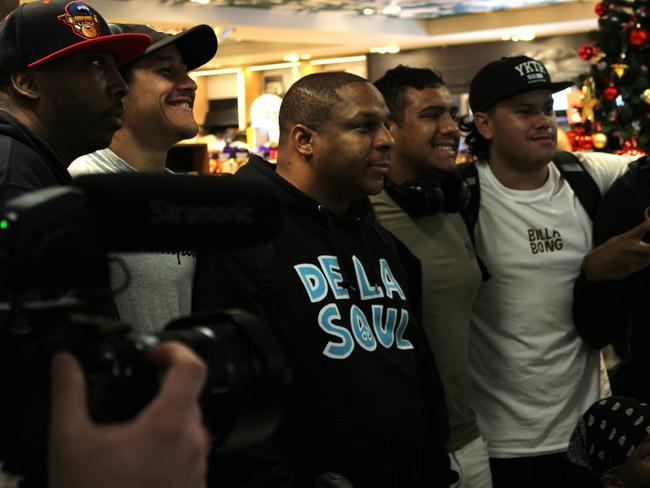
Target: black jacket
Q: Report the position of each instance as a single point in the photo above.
(619, 311)
(26, 163)
(366, 400)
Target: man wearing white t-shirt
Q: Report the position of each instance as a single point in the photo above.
(157, 115)
(533, 376)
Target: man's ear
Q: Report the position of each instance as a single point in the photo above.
(393, 128)
(302, 139)
(483, 124)
(610, 479)
(24, 83)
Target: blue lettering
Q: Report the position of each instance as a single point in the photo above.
(367, 291)
(332, 272)
(335, 350)
(385, 334)
(403, 323)
(390, 283)
(361, 329)
(313, 281)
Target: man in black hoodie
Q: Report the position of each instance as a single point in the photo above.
(365, 398)
(60, 90)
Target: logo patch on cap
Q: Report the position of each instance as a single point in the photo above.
(81, 19)
(532, 70)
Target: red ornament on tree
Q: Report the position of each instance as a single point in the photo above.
(638, 37)
(601, 9)
(585, 52)
(584, 142)
(610, 93)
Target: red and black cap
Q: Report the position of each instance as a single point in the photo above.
(197, 45)
(507, 77)
(42, 31)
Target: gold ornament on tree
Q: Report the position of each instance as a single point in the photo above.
(646, 96)
(619, 69)
(589, 100)
(599, 140)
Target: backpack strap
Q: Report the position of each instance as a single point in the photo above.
(580, 181)
(470, 212)
(642, 169)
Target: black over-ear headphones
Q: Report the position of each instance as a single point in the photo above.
(419, 197)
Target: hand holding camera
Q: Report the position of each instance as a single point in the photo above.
(170, 425)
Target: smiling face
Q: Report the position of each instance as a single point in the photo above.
(426, 139)
(521, 130)
(350, 150)
(159, 106)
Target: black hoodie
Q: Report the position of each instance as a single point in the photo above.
(26, 163)
(618, 311)
(366, 400)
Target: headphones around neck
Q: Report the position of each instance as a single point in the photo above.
(419, 197)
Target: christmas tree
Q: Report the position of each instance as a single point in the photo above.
(615, 112)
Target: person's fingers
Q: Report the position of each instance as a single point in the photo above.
(68, 393)
(641, 229)
(184, 378)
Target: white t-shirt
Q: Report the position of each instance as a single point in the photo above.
(160, 287)
(533, 377)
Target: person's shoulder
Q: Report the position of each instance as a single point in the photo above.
(604, 168)
(101, 161)
(384, 206)
(19, 160)
(595, 158)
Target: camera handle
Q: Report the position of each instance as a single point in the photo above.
(332, 480)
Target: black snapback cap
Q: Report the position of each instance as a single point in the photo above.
(35, 33)
(197, 45)
(507, 77)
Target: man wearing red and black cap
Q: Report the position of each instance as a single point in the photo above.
(532, 374)
(60, 90)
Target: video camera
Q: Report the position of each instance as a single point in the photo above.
(54, 276)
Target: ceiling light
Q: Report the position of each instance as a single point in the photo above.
(527, 35)
(291, 58)
(518, 35)
(266, 67)
(392, 9)
(305, 57)
(368, 11)
(203, 2)
(389, 49)
(347, 59)
(212, 72)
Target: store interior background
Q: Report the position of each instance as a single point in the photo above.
(265, 46)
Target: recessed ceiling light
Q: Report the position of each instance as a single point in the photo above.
(518, 35)
(388, 49)
(392, 9)
(368, 11)
(203, 2)
(346, 59)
